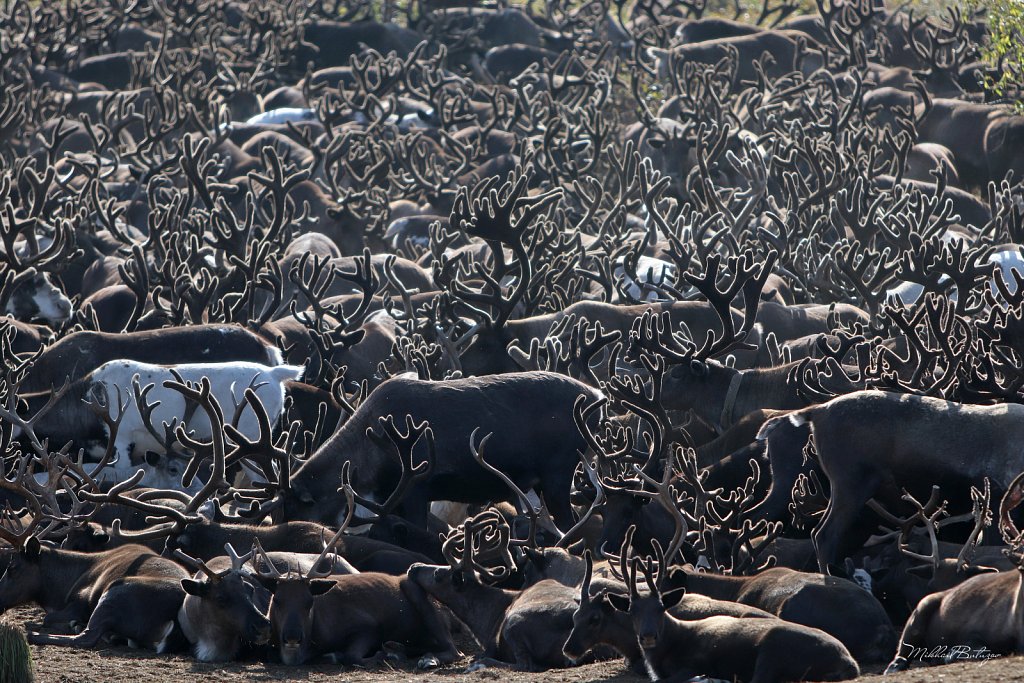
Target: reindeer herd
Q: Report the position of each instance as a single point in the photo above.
(346, 330)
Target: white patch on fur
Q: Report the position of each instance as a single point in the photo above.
(207, 652)
(282, 115)
(862, 578)
(651, 673)
(162, 645)
(797, 419)
(451, 513)
(275, 355)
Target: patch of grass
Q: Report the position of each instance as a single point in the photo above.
(15, 656)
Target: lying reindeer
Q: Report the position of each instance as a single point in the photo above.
(223, 609)
(597, 622)
(350, 617)
(981, 614)
(753, 650)
(524, 629)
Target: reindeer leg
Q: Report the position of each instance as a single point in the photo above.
(360, 651)
(103, 618)
(846, 503)
(914, 633)
(68, 615)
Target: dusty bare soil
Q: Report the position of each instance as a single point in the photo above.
(116, 664)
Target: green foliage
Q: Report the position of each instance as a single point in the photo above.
(1005, 47)
(15, 656)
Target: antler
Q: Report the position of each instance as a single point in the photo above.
(404, 445)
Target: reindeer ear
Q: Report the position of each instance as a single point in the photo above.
(32, 548)
(578, 547)
(208, 510)
(321, 586)
(193, 587)
(619, 602)
(151, 458)
(672, 597)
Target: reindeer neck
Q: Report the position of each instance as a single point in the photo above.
(485, 612)
(620, 635)
(760, 389)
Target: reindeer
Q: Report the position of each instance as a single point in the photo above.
(980, 614)
(541, 400)
(524, 629)
(223, 609)
(765, 649)
(349, 618)
(935, 435)
(597, 622)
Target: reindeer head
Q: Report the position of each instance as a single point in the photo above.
(22, 576)
(594, 621)
(647, 609)
(223, 608)
(38, 298)
(291, 603)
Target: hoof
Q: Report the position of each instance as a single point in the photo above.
(428, 663)
(897, 665)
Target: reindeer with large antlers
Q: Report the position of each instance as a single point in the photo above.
(765, 649)
(524, 629)
(349, 618)
(980, 614)
(105, 591)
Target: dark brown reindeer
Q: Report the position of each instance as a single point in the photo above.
(978, 616)
(543, 417)
(349, 618)
(765, 649)
(598, 622)
(100, 591)
(923, 564)
(927, 449)
(524, 629)
(222, 610)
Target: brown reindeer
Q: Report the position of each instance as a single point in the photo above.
(979, 618)
(754, 650)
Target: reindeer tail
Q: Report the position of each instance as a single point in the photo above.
(797, 418)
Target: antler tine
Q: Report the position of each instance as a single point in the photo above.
(982, 514)
(257, 553)
(237, 561)
(350, 500)
(198, 565)
(588, 573)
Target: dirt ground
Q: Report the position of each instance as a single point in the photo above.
(66, 665)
